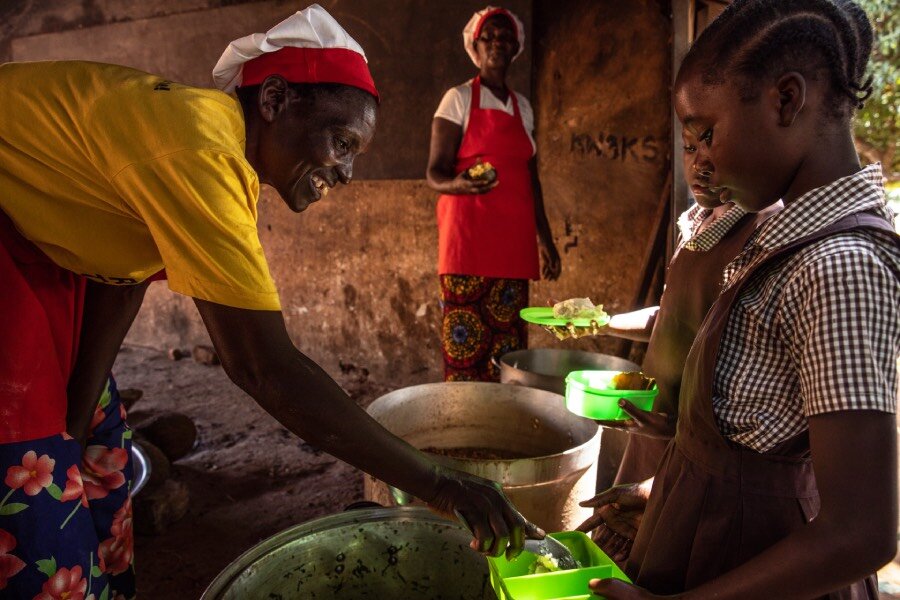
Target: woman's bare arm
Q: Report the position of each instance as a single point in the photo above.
(108, 313)
(446, 137)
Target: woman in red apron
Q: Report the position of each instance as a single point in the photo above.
(487, 229)
(781, 481)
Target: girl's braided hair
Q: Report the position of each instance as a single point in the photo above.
(763, 38)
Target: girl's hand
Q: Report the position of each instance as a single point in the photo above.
(462, 185)
(617, 547)
(570, 331)
(619, 514)
(615, 589)
(643, 422)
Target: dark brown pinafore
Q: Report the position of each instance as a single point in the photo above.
(716, 504)
(693, 282)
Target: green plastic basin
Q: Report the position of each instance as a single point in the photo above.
(591, 394)
(511, 579)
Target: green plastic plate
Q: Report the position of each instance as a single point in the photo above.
(543, 315)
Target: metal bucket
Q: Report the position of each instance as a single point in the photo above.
(376, 553)
(561, 448)
(546, 368)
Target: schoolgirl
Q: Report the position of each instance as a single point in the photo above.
(781, 481)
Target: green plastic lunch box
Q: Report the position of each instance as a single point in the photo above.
(591, 394)
(512, 580)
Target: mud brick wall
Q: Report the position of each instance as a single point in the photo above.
(601, 83)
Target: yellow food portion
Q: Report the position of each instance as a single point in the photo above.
(544, 564)
(632, 380)
(480, 170)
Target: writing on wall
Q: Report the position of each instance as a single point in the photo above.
(617, 147)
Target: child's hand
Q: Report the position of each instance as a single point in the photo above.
(643, 422)
(615, 589)
(619, 514)
(571, 331)
(617, 547)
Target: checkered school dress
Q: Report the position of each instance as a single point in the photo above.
(817, 332)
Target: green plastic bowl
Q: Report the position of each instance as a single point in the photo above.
(591, 394)
(511, 580)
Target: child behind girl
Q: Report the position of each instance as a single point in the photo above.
(781, 481)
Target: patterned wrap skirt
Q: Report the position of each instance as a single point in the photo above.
(480, 322)
(65, 514)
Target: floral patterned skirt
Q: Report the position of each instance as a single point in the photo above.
(480, 322)
(65, 515)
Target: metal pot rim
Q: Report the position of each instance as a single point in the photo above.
(514, 472)
(235, 568)
(508, 461)
(536, 459)
(523, 351)
(507, 359)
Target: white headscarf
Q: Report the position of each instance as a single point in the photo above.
(473, 29)
(312, 28)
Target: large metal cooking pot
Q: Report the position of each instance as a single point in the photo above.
(377, 553)
(546, 368)
(557, 450)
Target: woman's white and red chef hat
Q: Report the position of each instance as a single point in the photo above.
(473, 29)
(310, 46)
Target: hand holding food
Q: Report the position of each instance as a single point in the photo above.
(480, 178)
(616, 589)
(643, 422)
(582, 309)
(482, 172)
(574, 332)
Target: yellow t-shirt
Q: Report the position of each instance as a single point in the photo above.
(115, 174)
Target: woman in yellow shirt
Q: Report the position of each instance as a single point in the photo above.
(108, 175)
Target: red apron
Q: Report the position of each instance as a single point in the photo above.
(716, 504)
(40, 322)
(493, 234)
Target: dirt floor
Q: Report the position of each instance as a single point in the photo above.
(248, 477)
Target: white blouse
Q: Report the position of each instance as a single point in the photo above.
(456, 103)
